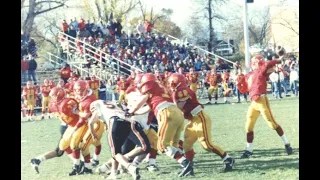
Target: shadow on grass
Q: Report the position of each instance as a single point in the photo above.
(262, 160)
(261, 153)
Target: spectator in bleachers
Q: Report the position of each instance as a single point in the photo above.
(24, 70)
(32, 48)
(148, 27)
(65, 73)
(81, 25)
(65, 27)
(117, 28)
(32, 69)
(140, 28)
(73, 26)
(294, 79)
(276, 78)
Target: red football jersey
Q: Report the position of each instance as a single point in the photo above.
(192, 78)
(29, 93)
(123, 85)
(84, 104)
(45, 90)
(242, 84)
(257, 79)
(93, 84)
(157, 94)
(186, 94)
(65, 109)
(130, 79)
(161, 79)
(213, 79)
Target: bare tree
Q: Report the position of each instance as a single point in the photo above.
(260, 28)
(289, 22)
(212, 9)
(101, 8)
(153, 17)
(196, 33)
(36, 8)
(48, 32)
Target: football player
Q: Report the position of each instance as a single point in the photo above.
(94, 85)
(122, 86)
(131, 78)
(58, 96)
(84, 95)
(213, 79)
(45, 90)
(241, 86)
(120, 129)
(199, 125)
(257, 87)
(29, 95)
(160, 77)
(226, 90)
(169, 116)
(192, 78)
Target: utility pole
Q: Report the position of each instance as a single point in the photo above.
(246, 34)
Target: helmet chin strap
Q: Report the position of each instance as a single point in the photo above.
(89, 93)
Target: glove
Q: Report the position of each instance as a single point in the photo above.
(127, 114)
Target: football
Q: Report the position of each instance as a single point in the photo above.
(280, 51)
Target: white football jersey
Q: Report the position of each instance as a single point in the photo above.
(106, 113)
(133, 97)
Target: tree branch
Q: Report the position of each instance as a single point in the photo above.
(49, 1)
(49, 9)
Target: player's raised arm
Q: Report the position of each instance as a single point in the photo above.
(139, 104)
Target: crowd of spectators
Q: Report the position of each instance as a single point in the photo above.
(138, 48)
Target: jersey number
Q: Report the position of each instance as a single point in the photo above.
(183, 93)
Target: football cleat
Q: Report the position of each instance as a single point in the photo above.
(103, 169)
(75, 170)
(86, 171)
(35, 164)
(209, 102)
(246, 154)
(94, 162)
(42, 117)
(122, 169)
(288, 149)
(229, 162)
(187, 168)
(112, 177)
(152, 168)
(135, 172)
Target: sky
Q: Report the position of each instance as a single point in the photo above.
(182, 11)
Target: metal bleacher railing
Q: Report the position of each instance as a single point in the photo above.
(79, 53)
(197, 47)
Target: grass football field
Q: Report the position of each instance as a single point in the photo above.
(269, 160)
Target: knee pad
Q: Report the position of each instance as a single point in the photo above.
(59, 152)
(171, 151)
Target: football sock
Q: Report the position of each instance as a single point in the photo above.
(284, 139)
(225, 99)
(87, 165)
(249, 147)
(96, 157)
(76, 161)
(226, 157)
(152, 153)
(181, 159)
(152, 161)
(189, 155)
(41, 158)
(97, 151)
